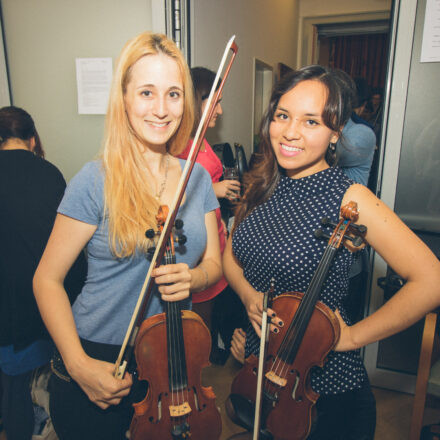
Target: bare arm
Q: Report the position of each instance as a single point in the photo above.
(187, 280)
(251, 298)
(409, 257)
(67, 240)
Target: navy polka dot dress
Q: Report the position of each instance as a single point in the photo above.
(277, 240)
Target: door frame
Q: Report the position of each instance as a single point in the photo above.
(402, 34)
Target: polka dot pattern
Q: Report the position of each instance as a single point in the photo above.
(277, 240)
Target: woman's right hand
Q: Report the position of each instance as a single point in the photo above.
(96, 378)
(227, 189)
(254, 308)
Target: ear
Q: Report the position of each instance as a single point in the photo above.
(334, 138)
(32, 143)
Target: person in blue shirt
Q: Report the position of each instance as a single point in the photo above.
(107, 208)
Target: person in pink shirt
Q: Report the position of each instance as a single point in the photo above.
(202, 80)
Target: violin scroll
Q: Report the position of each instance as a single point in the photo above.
(349, 214)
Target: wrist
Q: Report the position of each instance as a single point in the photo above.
(75, 364)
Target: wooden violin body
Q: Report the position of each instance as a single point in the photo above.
(187, 411)
(288, 396)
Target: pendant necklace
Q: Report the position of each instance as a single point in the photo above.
(164, 182)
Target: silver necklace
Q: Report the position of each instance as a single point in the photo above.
(164, 182)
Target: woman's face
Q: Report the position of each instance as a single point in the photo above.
(298, 134)
(217, 111)
(154, 99)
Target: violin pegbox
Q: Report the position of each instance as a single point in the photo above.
(346, 226)
(153, 235)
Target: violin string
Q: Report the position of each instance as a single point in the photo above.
(170, 339)
(281, 366)
(291, 338)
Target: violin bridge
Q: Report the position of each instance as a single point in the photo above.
(180, 410)
(281, 382)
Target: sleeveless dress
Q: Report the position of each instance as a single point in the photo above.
(277, 240)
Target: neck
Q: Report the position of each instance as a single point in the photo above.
(15, 144)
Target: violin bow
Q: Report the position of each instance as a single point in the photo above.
(146, 290)
(263, 343)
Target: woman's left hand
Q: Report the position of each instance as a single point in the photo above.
(345, 342)
(173, 281)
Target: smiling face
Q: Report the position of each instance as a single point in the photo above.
(298, 134)
(154, 99)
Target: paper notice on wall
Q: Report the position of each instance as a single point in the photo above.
(431, 33)
(93, 77)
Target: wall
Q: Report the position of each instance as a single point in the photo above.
(265, 30)
(4, 87)
(43, 38)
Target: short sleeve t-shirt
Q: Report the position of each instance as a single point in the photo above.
(104, 307)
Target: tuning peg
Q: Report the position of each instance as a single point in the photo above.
(178, 224)
(319, 233)
(327, 222)
(357, 241)
(360, 229)
(149, 233)
(181, 239)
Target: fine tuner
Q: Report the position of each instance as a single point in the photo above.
(178, 238)
(358, 231)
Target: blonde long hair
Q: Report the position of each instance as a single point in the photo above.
(129, 204)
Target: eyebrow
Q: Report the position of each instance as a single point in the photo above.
(316, 115)
(152, 85)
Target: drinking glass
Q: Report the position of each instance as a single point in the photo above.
(231, 173)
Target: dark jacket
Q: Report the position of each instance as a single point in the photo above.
(31, 189)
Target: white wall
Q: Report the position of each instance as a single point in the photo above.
(4, 87)
(264, 29)
(43, 38)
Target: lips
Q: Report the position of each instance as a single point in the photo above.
(289, 151)
(158, 124)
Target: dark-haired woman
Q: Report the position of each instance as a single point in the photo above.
(203, 79)
(288, 191)
(30, 191)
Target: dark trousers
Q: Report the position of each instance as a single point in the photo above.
(17, 407)
(75, 417)
(347, 416)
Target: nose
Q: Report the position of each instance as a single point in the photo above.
(292, 130)
(219, 109)
(160, 108)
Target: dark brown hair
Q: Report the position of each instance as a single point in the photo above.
(18, 123)
(261, 180)
(202, 79)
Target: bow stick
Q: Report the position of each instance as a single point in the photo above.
(144, 296)
(263, 342)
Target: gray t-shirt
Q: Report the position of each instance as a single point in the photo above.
(103, 309)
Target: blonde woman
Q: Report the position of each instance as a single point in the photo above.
(107, 208)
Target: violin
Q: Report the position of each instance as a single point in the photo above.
(313, 331)
(176, 406)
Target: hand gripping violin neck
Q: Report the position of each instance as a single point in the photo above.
(313, 331)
